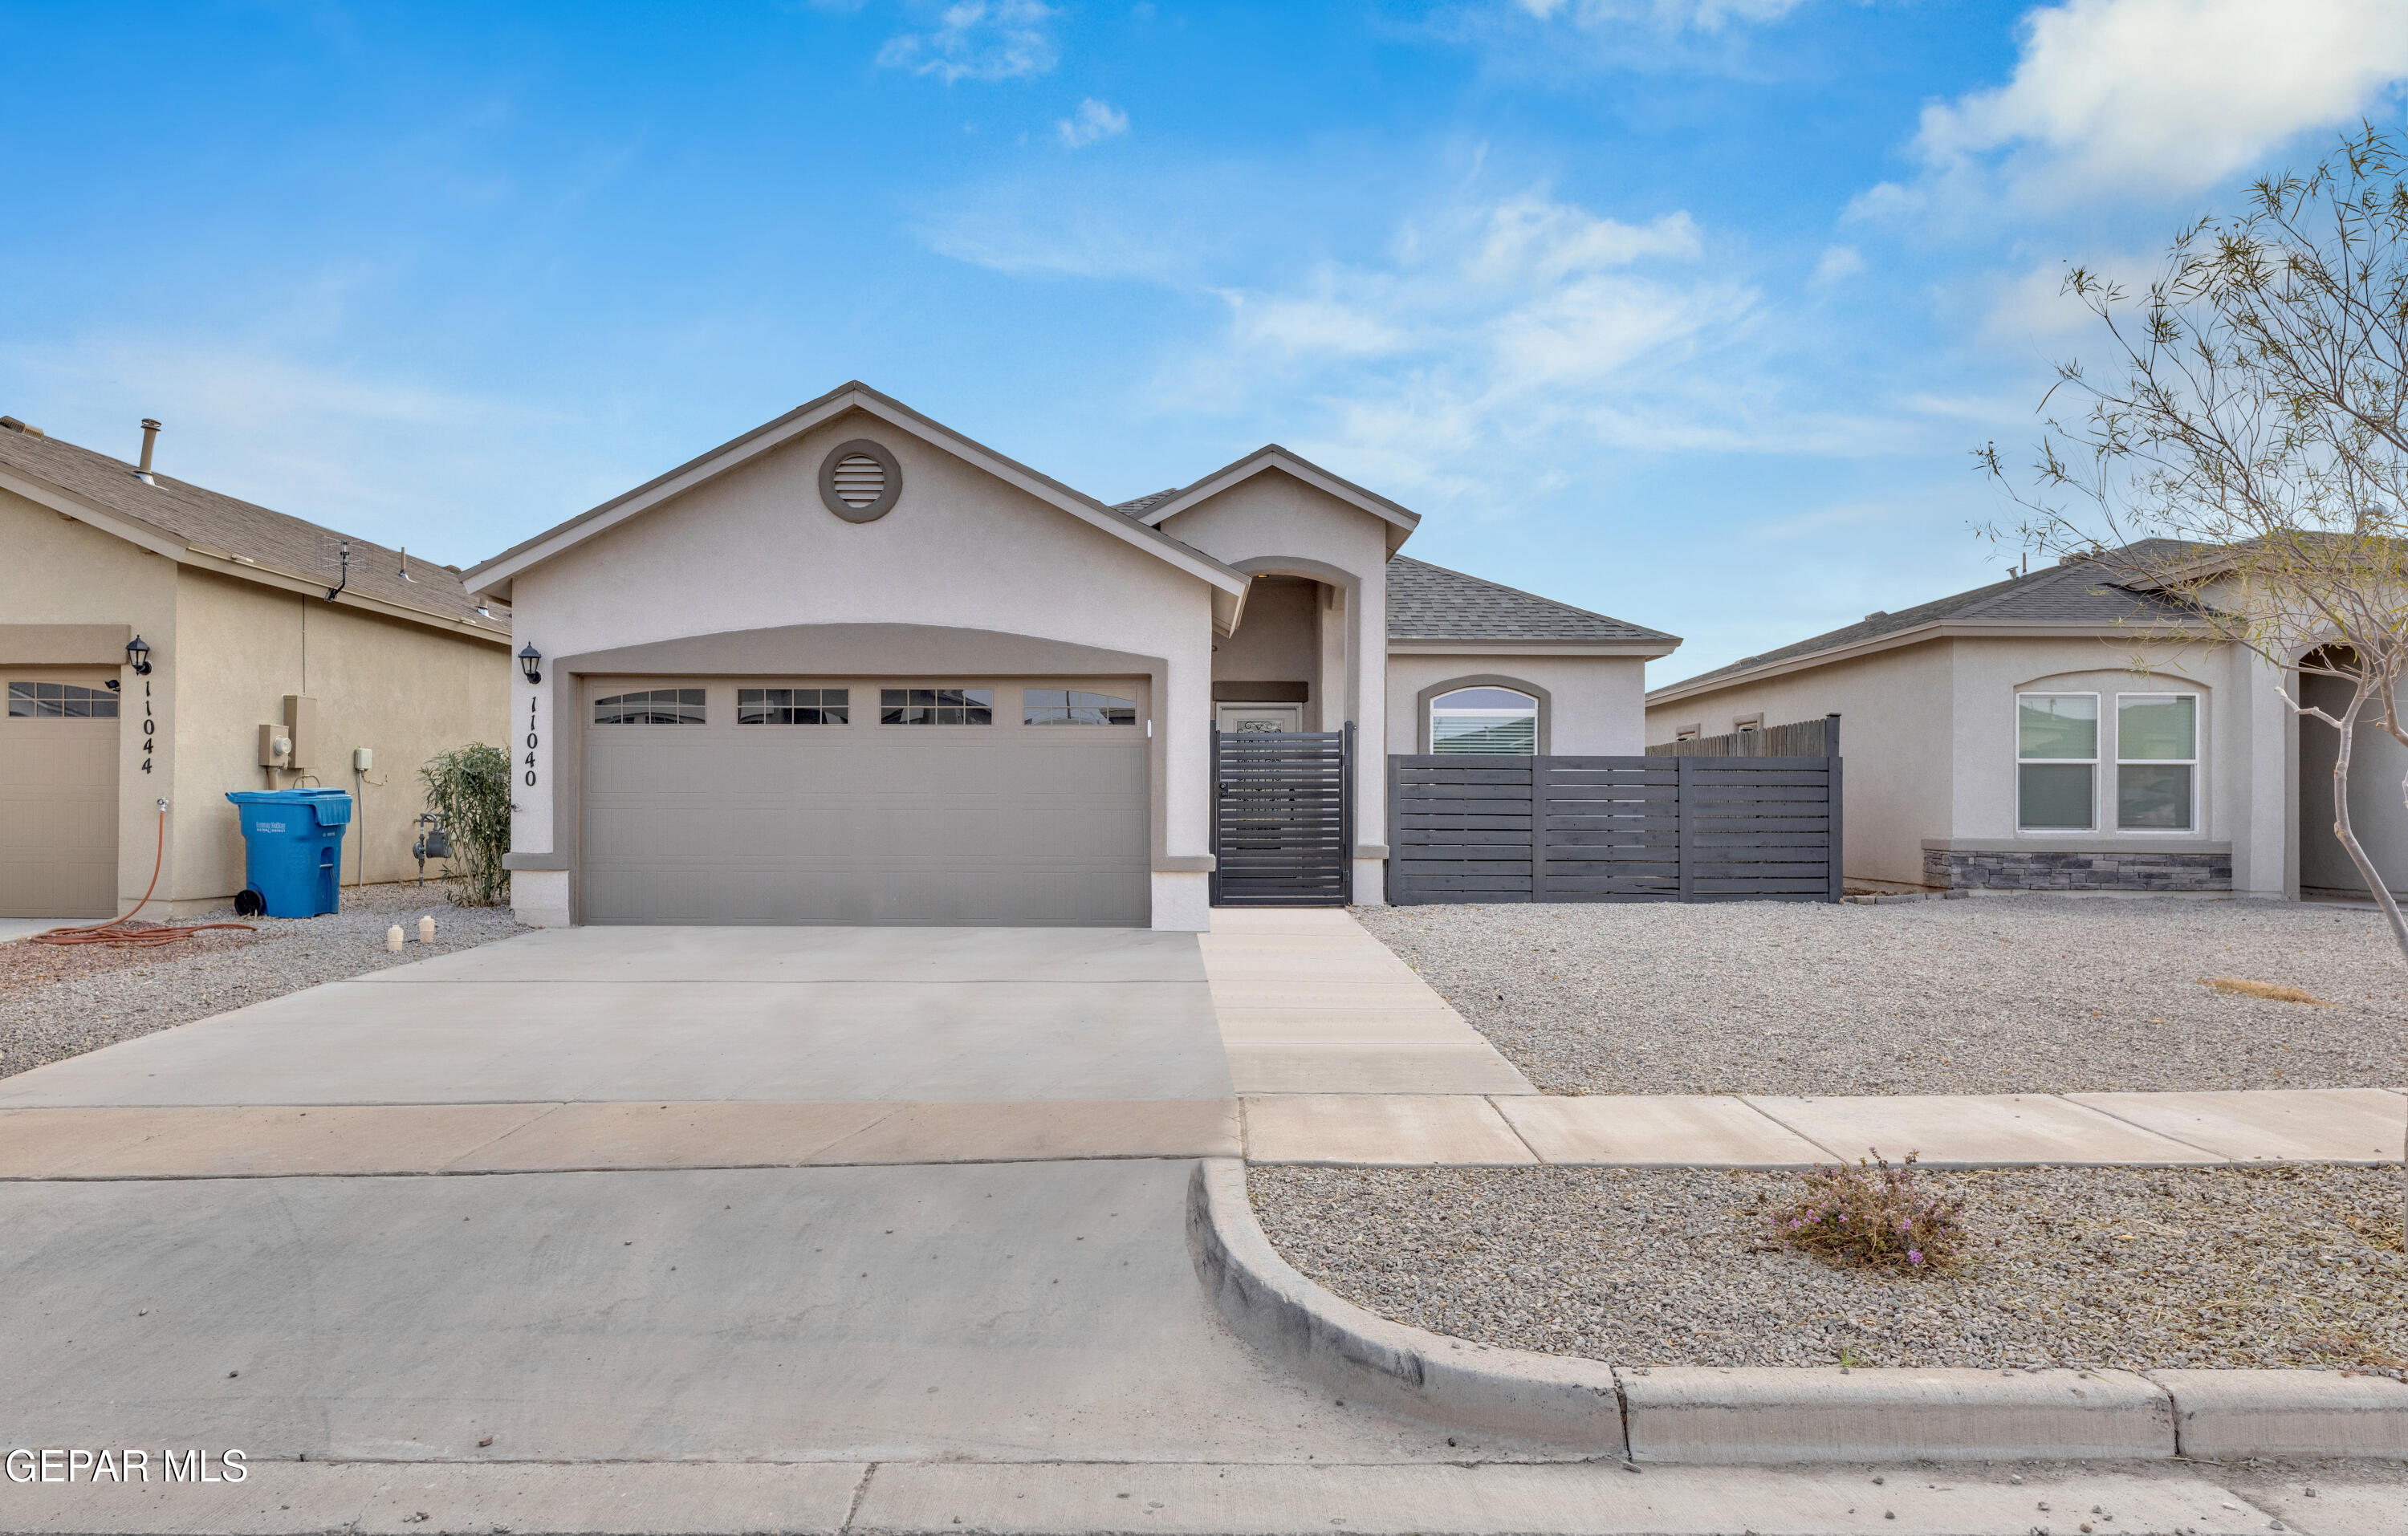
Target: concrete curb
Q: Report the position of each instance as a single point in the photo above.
(1709, 1416)
(1507, 1392)
(2227, 1415)
(1725, 1414)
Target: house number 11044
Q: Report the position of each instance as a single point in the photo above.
(530, 741)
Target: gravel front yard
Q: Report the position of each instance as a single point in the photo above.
(1992, 995)
(58, 1003)
(2134, 1268)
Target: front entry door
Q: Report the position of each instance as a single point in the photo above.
(1247, 719)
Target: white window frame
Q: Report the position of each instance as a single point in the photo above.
(2197, 729)
(2016, 728)
(1530, 715)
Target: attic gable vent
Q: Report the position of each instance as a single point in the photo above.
(859, 481)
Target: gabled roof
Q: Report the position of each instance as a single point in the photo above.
(1229, 585)
(202, 527)
(2080, 593)
(1428, 602)
(1138, 508)
(1163, 505)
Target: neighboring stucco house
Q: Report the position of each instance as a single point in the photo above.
(232, 602)
(2058, 730)
(853, 666)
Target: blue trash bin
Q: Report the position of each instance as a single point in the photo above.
(292, 847)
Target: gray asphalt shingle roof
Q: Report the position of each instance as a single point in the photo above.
(2082, 592)
(271, 539)
(1428, 602)
(1138, 508)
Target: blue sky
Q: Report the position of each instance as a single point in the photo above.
(1686, 310)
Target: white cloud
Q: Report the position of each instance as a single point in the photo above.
(1839, 263)
(1093, 121)
(979, 40)
(2166, 96)
(2033, 305)
(1501, 350)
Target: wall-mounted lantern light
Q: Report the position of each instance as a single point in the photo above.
(531, 662)
(138, 655)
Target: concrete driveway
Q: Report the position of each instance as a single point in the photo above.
(756, 1194)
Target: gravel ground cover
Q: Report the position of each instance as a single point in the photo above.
(2135, 1268)
(1995, 994)
(57, 1002)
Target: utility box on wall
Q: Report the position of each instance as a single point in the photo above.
(301, 716)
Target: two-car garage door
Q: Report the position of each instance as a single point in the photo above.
(1018, 802)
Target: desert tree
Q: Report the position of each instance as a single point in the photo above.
(2242, 449)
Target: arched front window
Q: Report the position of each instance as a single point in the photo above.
(1484, 723)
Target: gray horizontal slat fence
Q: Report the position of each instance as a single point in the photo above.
(1282, 819)
(1651, 828)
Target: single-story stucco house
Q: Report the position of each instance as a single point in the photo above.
(157, 640)
(853, 666)
(2065, 729)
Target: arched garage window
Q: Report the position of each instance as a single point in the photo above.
(1484, 723)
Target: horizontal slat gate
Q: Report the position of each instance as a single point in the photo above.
(1282, 819)
(1656, 828)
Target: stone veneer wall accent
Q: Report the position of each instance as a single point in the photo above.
(2071, 869)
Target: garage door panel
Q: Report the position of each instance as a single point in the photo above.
(1115, 770)
(648, 765)
(864, 823)
(1084, 833)
(665, 834)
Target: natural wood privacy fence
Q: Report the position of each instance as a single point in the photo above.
(1682, 828)
(1800, 738)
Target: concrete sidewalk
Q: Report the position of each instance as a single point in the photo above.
(2007, 1130)
(1309, 1002)
(1207, 1498)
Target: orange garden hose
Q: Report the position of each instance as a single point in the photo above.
(115, 933)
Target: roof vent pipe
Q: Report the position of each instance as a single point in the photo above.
(149, 441)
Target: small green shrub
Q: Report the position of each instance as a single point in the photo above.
(1873, 1216)
(469, 787)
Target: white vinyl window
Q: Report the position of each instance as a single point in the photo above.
(1484, 723)
(2056, 761)
(2156, 762)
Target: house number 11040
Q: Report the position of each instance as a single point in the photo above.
(530, 741)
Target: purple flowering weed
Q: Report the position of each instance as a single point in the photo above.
(1873, 1214)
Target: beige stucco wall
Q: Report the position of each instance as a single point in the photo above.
(224, 653)
(402, 690)
(1596, 704)
(59, 571)
(1927, 733)
(1274, 522)
(756, 549)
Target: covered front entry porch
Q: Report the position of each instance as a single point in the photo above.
(1283, 758)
